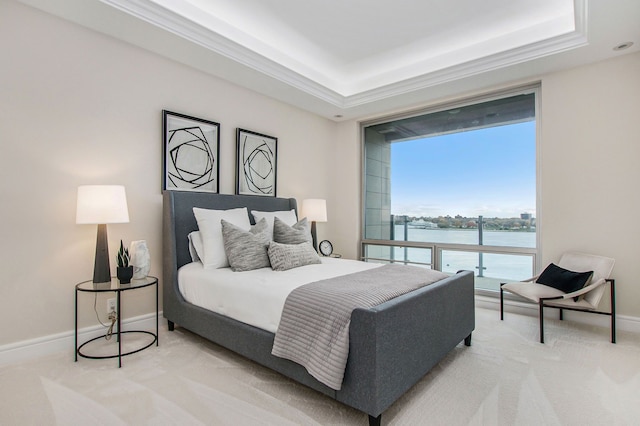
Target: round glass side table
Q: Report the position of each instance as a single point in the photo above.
(118, 289)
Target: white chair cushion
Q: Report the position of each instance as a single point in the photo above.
(581, 262)
(532, 291)
(569, 303)
(600, 265)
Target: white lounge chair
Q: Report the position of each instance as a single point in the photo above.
(549, 295)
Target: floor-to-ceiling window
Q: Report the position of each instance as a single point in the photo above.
(455, 188)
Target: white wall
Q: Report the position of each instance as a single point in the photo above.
(77, 107)
(589, 168)
(344, 202)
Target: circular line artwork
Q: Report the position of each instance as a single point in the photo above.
(190, 161)
(257, 167)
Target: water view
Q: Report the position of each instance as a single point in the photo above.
(495, 267)
(468, 236)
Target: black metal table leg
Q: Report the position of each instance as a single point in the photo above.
(119, 315)
(75, 345)
(157, 319)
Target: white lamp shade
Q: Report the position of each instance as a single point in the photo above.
(314, 209)
(101, 204)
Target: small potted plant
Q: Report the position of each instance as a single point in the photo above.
(124, 271)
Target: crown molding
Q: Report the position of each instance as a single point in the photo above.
(188, 30)
(163, 18)
(467, 69)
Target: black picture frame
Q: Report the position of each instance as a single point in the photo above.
(191, 149)
(256, 163)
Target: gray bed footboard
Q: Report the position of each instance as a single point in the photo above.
(393, 345)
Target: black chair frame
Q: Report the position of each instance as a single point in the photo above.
(542, 304)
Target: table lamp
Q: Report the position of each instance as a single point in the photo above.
(315, 210)
(100, 205)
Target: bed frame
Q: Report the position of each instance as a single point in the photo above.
(392, 345)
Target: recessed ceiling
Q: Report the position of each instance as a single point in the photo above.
(355, 46)
(361, 57)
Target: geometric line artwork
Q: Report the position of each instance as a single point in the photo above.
(256, 168)
(190, 158)
(191, 148)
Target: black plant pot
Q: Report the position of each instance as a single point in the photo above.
(124, 274)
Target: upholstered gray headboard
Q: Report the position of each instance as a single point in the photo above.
(179, 219)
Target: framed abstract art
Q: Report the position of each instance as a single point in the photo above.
(191, 151)
(256, 168)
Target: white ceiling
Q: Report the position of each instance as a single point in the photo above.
(356, 58)
(358, 45)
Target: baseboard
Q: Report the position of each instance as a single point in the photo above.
(29, 349)
(623, 322)
(54, 343)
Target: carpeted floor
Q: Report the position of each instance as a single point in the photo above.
(505, 378)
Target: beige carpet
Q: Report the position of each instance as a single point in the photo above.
(504, 378)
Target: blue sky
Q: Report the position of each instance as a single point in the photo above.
(489, 172)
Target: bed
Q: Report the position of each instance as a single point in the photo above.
(391, 346)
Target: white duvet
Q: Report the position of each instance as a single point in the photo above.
(256, 297)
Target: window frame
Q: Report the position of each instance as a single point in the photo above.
(534, 89)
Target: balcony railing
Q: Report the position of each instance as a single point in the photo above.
(492, 264)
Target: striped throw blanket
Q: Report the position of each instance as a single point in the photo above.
(314, 327)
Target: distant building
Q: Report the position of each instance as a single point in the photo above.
(526, 216)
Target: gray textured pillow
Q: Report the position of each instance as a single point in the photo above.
(296, 234)
(246, 250)
(288, 256)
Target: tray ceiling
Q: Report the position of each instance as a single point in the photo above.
(348, 59)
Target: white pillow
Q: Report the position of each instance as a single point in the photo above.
(196, 249)
(287, 216)
(209, 224)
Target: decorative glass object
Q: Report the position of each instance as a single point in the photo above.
(140, 259)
